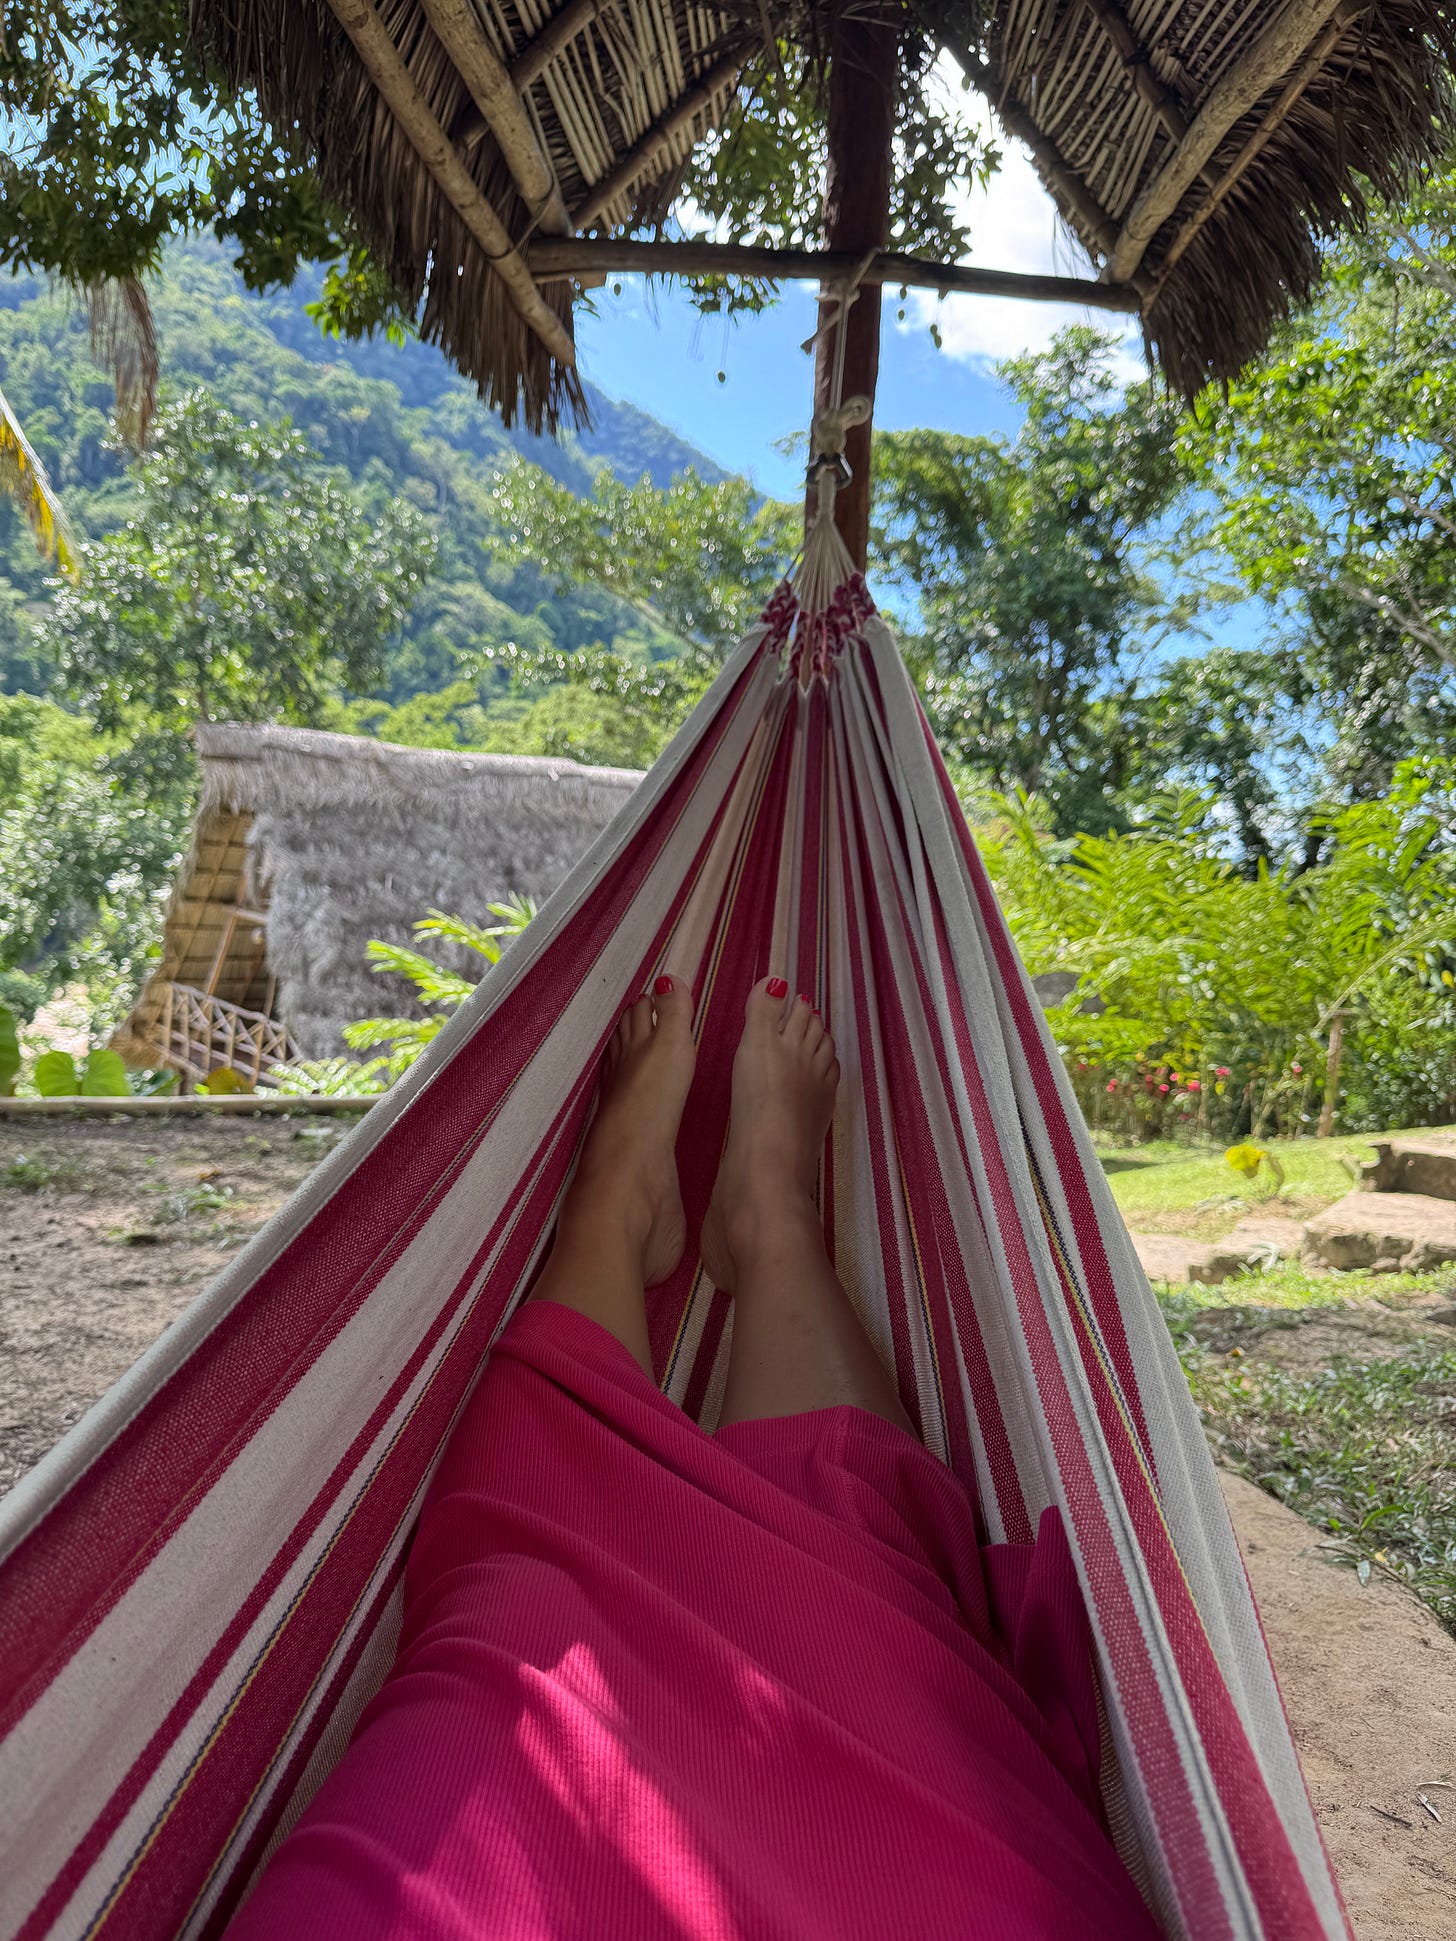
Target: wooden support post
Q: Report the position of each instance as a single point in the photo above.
(863, 64)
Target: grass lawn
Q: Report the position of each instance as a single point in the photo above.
(1364, 1448)
(1168, 1188)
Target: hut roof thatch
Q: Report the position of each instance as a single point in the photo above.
(335, 839)
(1196, 147)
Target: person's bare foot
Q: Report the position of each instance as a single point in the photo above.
(785, 1076)
(627, 1178)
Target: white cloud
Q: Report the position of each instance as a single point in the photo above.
(1013, 225)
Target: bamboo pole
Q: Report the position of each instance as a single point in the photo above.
(496, 94)
(1308, 68)
(592, 256)
(560, 30)
(1270, 58)
(384, 66)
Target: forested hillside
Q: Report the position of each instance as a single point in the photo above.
(395, 417)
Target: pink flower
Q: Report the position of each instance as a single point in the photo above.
(1162, 1088)
(1194, 1085)
(1220, 1071)
(1296, 1069)
(1112, 1084)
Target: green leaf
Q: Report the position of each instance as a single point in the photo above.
(55, 1075)
(104, 1075)
(9, 1051)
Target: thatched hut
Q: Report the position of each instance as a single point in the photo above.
(306, 846)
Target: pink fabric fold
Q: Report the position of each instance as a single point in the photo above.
(653, 1682)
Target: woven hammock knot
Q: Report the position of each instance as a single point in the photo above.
(814, 640)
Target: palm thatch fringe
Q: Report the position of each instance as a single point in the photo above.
(1199, 149)
(124, 342)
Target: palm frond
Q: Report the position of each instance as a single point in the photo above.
(23, 481)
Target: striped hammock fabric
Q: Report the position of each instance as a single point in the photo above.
(200, 1588)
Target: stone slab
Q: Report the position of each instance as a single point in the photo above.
(1409, 1231)
(1369, 1681)
(1424, 1163)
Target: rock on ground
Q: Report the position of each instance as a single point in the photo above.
(1257, 1240)
(1412, 1231)
(1423, 1164)
(1369, 1681)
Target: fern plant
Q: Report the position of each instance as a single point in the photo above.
(443, 990)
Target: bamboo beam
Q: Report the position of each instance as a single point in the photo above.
(1096, 226)
(560, 30)
(495, 94)
(594, 256)
(1308, 68)
(657, 140)
(1133, 55)
(382, 62)
(1272, 55)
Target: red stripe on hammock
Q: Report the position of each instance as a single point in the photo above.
(239, 1867)
(458, 1367)
(204, 1812)
(84, 1553)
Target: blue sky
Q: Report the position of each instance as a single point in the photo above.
(650, 346)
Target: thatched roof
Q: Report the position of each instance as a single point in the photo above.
(1196, 147)
(335, 839)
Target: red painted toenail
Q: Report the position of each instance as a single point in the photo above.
(663, 987)
(777, 987)
(804, 998)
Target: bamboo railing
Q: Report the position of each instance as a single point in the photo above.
(201, 1033)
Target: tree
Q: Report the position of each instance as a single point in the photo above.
(118, 137)
(1332, 463)
(697, 561)
(91, 830)
(247, 585)
(1027, 563)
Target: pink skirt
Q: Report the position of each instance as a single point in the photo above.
(654, 1682)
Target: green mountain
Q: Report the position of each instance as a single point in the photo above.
(396, 418)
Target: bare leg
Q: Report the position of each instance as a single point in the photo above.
(797, 1342)
(622, 1227)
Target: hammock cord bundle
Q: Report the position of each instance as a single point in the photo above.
(200, 1587)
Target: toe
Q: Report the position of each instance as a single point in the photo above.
(637, 1024)
(765, 1007)
(798, 1018)
(672, 999)
(824, 1054)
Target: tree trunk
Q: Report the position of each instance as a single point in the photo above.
(1332, 1076)
(863, 58)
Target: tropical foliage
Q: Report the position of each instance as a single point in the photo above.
(1206, 996)
(441, 986)
(249, 584)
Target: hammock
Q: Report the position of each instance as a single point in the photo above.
(201, 1585)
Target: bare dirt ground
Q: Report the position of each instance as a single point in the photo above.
(1369, 1681)
(108, 1228)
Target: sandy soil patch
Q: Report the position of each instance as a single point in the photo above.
(1369, 1680)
